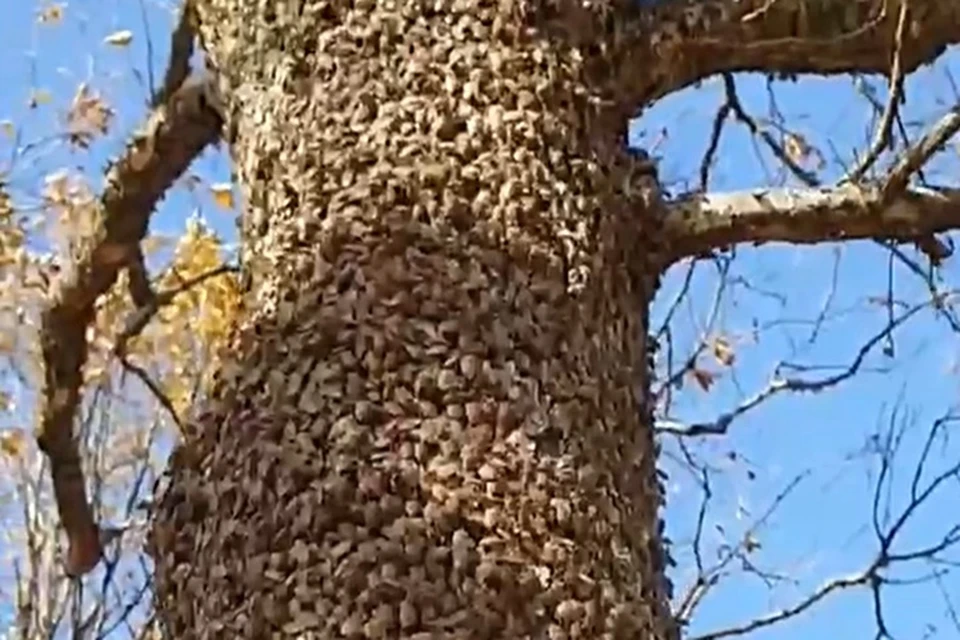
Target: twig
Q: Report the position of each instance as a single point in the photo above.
(663, 392)
(951, 609)
(733, 101)
(873, 574)
(919, 153)
(138, 321)
(780, 385)
(882, 138)
(718, 122)
(675, 304)
(709, 578)
(154, 388)
(828, 301)
(151, 85)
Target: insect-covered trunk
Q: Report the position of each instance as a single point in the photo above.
(436, 417)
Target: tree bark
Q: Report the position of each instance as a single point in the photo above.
(436, 421)
(701, 223)
(679, 42)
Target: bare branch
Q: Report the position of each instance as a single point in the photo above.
(174, 135)
(875, 574)
(154, 389)
(882, 139)
(816, 596)
(138, 321)
(689, 40)
(806, 177)
(701, 223)
(918, 154)
(779, 385)
(707, 578)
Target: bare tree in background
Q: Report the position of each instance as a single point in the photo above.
(437, 416)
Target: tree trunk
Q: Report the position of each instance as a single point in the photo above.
(436, 421)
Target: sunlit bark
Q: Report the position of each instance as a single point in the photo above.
(801, 216)
(683, 41)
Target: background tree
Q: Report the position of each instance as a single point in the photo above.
(876, 206)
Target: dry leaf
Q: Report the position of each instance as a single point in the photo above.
(119, 38)
(8, 129)
(222, 195)
(703, 377)
(88, 117)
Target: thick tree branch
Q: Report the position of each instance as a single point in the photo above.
(688, 40)
(174, 135)
(884, 210)
(806, 216)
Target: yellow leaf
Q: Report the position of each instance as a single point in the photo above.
(222, 195)
(119, 38)
(194, 327)
(796, 148)
(723, 352)
(13, 443)
(6, 126)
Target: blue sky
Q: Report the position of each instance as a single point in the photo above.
(768, 310)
